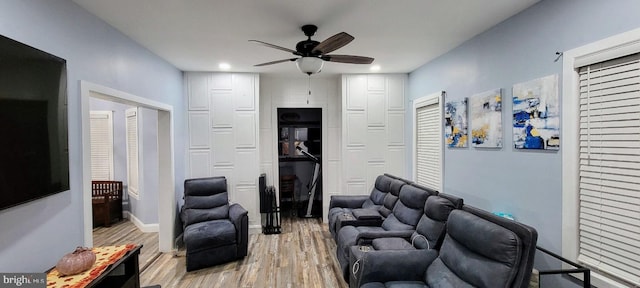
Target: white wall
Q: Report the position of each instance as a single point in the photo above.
(293, 92)
(373, 121)
(223, 133)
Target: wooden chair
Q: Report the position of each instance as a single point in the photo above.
(106, 202)
(287, 192)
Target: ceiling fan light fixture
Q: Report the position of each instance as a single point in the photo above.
(309, 65)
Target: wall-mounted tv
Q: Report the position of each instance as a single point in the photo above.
(34, 154)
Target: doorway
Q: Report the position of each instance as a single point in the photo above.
(299, 145)
(166, 190)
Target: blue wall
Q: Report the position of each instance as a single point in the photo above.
(34, 236)
(525, 183)
(145, 209)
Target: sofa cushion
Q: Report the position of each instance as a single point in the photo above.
(380, 189)
(366, 214)
(439, 275)
(396, 284)
(438, 208)
(408, 209)
(205, 186)
(392, 243)
(393, 224)
(205, 199)
(478, 251)
(373, 285)
(205, 208)
(391, 198)
(430, 229)
(210, 234)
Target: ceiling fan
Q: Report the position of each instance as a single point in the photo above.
(313, 53)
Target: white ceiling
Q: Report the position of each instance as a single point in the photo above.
(197, 35)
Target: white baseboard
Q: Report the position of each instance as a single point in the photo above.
(146, 228)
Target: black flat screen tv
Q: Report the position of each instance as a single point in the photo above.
(34, 154)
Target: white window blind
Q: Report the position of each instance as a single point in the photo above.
(101, 145)
(428, 145)
(609, 218)
(132, 150)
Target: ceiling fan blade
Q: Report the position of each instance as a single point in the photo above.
(348, 59)
(333, 43)
(274, 46)
(275, 62)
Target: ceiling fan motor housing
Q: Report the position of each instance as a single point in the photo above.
(305, 48)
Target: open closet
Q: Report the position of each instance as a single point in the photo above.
(299, 161)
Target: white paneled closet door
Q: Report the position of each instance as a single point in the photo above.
(223, 133)
(373, 113)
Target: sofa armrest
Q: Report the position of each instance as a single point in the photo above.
(366, 237)
(237, 214)
(183, 217)
(347, 201)
(239, 217)
(366, 214)
(388, 265)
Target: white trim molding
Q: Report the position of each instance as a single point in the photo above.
(166, 160)
(605, 49)
(145, 228)
(433, 98)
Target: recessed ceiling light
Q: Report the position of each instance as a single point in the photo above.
(224, 66)
(375, 68)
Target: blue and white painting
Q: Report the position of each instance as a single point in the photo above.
(455, 116)
(486, 119)
(536, 114)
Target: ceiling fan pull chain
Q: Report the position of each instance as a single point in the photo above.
(309, 84)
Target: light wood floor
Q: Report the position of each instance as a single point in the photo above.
(303, 255)
(125, 232)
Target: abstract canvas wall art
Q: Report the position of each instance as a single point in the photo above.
(455, 115)
(485, 111)
(536, 114)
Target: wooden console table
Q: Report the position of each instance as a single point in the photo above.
(124, 273)
(123, 270)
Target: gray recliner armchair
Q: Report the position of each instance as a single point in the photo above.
(479, 250)
(214, 231)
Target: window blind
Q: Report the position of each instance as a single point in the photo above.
(101, 126)
(132, 150)
(428, 145)
(609, 217)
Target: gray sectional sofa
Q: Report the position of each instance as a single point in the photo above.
(480, 249)
(428, 239)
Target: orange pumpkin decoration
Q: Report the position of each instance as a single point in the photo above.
(76, 262)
